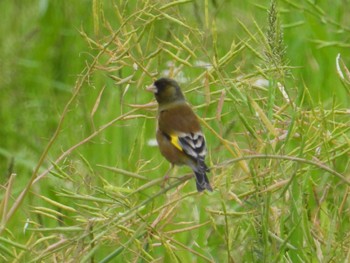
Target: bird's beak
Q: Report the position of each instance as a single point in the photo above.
(152, 88)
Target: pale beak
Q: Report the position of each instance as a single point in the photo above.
(152, 88)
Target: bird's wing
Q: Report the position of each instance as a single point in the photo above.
(193, 144)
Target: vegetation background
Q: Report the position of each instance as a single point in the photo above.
(80, 177)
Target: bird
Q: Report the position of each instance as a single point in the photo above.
(179, 134)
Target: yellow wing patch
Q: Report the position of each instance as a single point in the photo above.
(174, 139)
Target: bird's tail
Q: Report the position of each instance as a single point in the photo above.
(202, 181)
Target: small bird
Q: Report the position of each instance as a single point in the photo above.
(179, 135)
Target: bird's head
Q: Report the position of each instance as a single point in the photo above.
(166, 91)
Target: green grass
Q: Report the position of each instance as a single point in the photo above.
(81, 183)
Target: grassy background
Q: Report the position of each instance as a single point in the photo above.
(74, 111)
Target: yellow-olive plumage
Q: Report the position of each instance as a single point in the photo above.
(179, 135)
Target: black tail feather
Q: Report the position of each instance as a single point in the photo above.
(202, 181)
